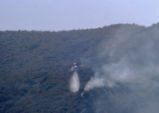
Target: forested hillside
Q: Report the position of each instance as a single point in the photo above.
(35, 68)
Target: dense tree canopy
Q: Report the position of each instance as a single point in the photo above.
(35, 68)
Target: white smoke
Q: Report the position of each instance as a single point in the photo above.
(112, 74)
(131, 62)
(130, 59)
(74, 83)
(94, 83)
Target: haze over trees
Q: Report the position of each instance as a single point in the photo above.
(35, 69)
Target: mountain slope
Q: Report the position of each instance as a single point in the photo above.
(35, 67)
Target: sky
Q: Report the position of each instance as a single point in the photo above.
(55, 15)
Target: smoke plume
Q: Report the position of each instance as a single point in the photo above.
(130, 61)
(94, 83)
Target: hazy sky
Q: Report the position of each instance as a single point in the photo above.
(75, 14)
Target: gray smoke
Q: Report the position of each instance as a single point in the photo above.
(133, 61)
